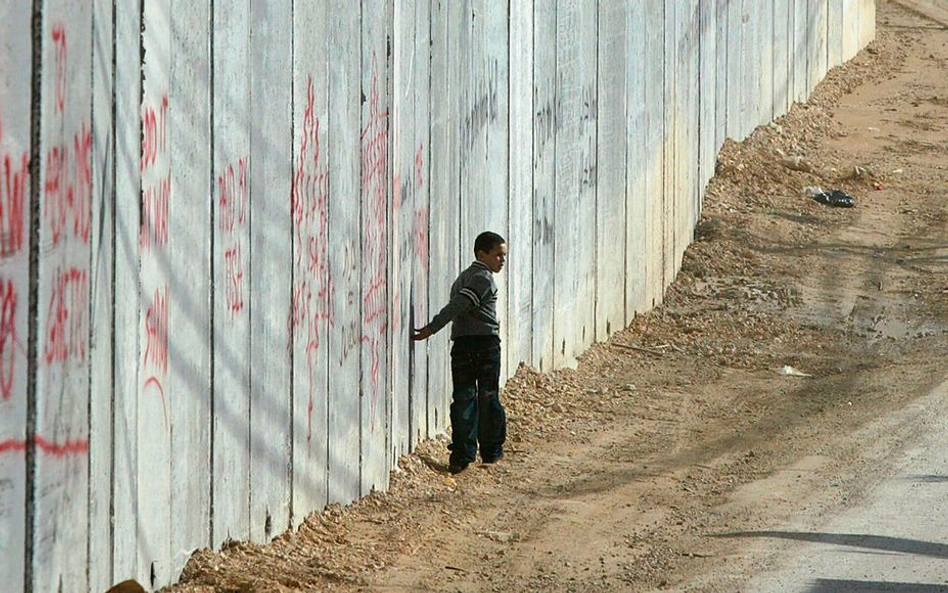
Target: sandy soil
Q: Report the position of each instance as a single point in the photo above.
(629, 472)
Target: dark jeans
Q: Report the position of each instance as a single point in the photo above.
(477, 415)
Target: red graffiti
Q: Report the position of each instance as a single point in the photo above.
(420, 236)
(232, 214)
(64, 449)
(65, 317)
(312, 288)
(156, 332)
(154, 223)
(154, 384)
(154, 132)
(234, 280)
(59, 42)
(7, 337)
(419, 166)
(374, 141)
(68, 187)
(14, 181)
(232, 196)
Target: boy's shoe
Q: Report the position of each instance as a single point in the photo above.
(493, 459)
(456, 468)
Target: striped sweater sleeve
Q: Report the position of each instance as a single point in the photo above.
(465, 300)
(468, 297)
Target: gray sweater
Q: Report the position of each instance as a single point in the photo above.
(473, 305)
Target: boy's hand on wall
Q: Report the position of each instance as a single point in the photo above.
(421, 334)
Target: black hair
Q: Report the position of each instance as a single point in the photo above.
(486, 241)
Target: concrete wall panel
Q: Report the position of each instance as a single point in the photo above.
(418, 177)
(612, 149)
(155, 387)
(312, 298)
(61, 440)
(102, 295)
(782, 49)
(231, 195)
(497, 70)
(125, 540)
(519, 344)
(836, 40)
(707, 91)
(568, 256)
(403, 112)
(443, 218)
(345, 260)
(270, 266)
(15, 67)
(654, 156)
(721, 72)
(189, 253)
(376, 197)
(636, 165)
(546, 126)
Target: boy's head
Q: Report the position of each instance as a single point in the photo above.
(491, 250)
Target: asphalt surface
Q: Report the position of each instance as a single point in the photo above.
(895, 538)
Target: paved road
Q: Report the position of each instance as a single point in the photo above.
(896, 539)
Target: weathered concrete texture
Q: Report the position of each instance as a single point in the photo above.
(243, 208)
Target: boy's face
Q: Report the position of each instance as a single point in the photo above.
(495, 258)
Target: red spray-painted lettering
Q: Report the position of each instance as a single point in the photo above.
(312, 287)
(234, 279)
(231, 215)
(68, 187)
(65, 317)
(232, 198)
(58, 35)
(8, 341)
(374, 140)
(156, 330)
(154, 133)
(154, 225)
(14, 180)
(419, 166)
(156, 179)
(420, 234)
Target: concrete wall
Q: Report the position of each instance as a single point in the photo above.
(218, 222)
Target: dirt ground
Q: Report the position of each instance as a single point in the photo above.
(629, 472)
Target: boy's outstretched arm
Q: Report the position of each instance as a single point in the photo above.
(464, 300)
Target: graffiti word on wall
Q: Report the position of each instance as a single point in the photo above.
(156, 331)
(67, 189)
(65, 317)
(14, 180)
(232, 216)
(312, 289)
(156, 177)
(374, 139)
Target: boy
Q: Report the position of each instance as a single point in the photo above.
(477, 415)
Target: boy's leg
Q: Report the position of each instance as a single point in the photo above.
(463, 445)
(492, 421)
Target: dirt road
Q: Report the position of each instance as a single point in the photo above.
(630, 472)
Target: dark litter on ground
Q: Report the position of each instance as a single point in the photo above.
(836, 198)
